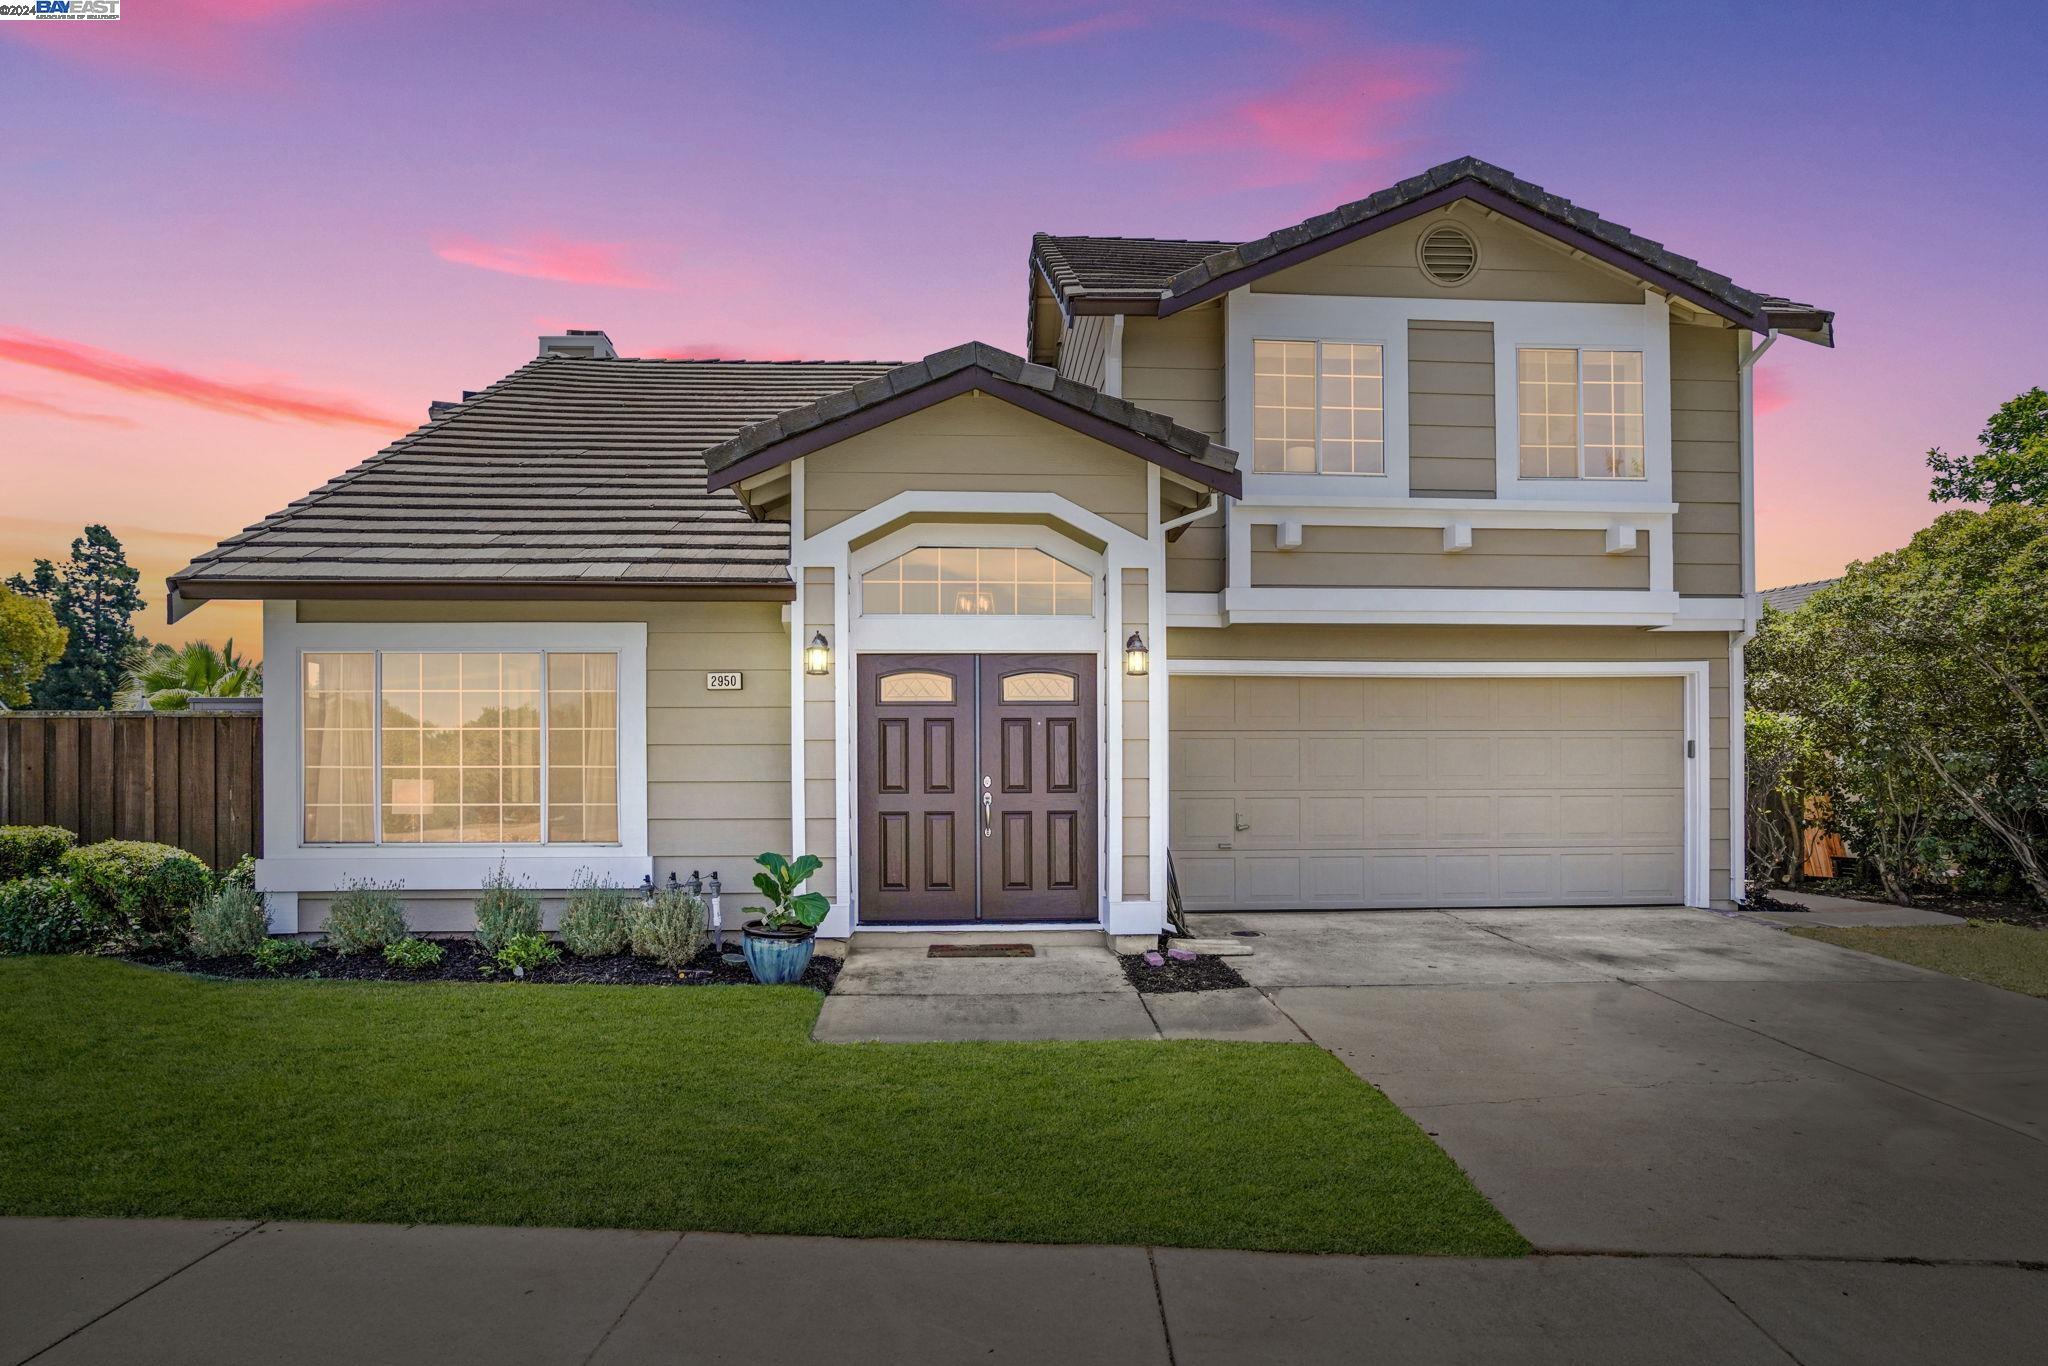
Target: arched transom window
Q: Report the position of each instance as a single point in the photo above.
(977, 581)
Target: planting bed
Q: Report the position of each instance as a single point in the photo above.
(1179, 974)
(463, 961)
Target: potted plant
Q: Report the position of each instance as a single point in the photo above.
(778, 945)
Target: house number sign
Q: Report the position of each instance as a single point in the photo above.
(727, 682)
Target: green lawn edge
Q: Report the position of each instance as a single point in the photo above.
(129, 1092)
(2009, 956)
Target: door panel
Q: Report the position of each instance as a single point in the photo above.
(916, 784)
(1038, 741)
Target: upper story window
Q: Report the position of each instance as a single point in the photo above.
(1581, 412)
(977, 581)
(472, 747)
(1318, 408)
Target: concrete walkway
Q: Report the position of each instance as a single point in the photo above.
(229, 1294)
(1842, 910)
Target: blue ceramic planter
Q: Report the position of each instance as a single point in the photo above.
(777, 957)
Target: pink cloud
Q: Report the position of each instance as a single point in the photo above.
(37, 407)
(724, 351)
(550, 258)
(1772, 393)
(1056, 35)
(1337, 111)
(129, 375)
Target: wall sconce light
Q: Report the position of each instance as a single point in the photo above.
(1137, 659)
(818, 655)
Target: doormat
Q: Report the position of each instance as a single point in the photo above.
(980, 951)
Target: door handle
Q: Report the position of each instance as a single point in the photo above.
(988, 808)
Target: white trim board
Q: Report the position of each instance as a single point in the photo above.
(1697, 723)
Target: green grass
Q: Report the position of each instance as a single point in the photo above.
(2008, 956)
(125, 1091)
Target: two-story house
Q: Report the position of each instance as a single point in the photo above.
(1400, 558)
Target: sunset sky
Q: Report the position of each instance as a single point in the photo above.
(247, 241)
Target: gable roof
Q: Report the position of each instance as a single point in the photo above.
(963, 369)
(583, 477)
(1121, 275)
(1789, 598)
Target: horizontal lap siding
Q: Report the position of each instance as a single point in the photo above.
(1450, 410)
(1137, 756)
(1414, 557)
(972, 444)
(1175, 366)
(1706, 461)
(717, 762)
(1497, 644)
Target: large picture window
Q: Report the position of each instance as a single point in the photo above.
(461, 747)
(972, 581)
(1581, 413)
(1318, 407)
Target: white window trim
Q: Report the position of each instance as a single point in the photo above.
(1644, 327)
(1697, 725)
(290, 865)
(1316, 386)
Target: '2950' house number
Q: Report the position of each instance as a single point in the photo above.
(723, 682)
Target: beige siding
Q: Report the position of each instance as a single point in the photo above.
(1175, 366)
(972, 444)
(1083, 348)
(1137, 879)
(1450, 410)
(717, 762)
(1413, 557)
(821, 800)
(1706, 461)
(1514, 263)
(1493, 644)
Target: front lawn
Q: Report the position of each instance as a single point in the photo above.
(127, 1091)
(2003, 955)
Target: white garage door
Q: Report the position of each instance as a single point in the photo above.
(1330, 793)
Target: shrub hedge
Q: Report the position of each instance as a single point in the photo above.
(43, 915)
(27, 850)
(146, 892)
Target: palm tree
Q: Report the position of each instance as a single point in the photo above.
(167, 679)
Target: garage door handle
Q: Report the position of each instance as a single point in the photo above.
(1240, 822)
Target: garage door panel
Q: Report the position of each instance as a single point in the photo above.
(1409, 792)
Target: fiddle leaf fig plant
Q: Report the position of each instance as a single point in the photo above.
(788, 908)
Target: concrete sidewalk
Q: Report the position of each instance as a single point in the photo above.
(220, 1294)
(1842, 910)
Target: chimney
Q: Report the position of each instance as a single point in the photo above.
(581, 343)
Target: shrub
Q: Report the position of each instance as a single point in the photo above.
(414, 955)
(145, 891)
(504, 911)
(365, 917)
(243, 874)
(672, 928)
(522, 953)
(26, 850)
(280, 956)
(43, 915)
(598, 918)
(232, 920)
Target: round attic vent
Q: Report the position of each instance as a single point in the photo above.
(1448, 254)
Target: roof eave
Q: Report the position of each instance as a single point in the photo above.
(187, 594)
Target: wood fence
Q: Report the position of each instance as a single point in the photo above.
(180, 778)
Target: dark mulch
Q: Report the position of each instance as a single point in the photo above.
(463, 961)
(2010, 910)
(1176, 974)
(1760, 899)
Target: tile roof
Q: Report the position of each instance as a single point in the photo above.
(1789, 597)
(1171, 270)
(977, 365)
(576, 472)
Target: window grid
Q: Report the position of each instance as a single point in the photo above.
(453, 749)
(1580, 412)
(1318, 407)
(1613, 402)
(1549, 389)
(977, 581)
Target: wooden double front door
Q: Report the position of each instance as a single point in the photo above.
(976, 776)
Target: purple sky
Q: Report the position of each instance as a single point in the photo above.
(248, 240)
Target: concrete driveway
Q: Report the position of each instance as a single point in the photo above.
(1679, 1082)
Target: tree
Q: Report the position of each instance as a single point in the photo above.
(93, 597)
(167, 679)
(2011, 465)
(30, 642)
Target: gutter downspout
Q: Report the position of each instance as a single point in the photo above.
(1738, 677)
(1215, 502)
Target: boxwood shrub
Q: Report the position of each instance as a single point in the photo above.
(43, 915)
(26, 850)
(146, 892)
